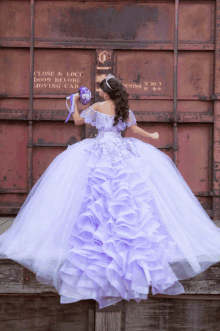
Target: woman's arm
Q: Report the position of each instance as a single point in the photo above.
(76, 115)
(78, 120)
(136, 132)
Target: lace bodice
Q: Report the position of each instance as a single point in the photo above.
(109, 142)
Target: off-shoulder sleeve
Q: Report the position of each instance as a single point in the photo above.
(89, 116)
(131, 120)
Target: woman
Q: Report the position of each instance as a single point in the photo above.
(112, 216)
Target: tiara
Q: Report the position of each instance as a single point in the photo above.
(107, 78)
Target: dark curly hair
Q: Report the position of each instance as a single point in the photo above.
(119, 95)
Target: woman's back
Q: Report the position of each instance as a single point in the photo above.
(107, 107)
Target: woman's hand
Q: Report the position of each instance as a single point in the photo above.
(76, 97)
(155, 135)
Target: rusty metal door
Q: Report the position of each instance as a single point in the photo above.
(166, 53)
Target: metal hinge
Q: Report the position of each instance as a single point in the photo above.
(214, 97)
(30, 144)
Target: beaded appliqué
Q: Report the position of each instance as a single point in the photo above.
(112, 146)
(109, 142)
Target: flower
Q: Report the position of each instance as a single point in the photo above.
(85, 95)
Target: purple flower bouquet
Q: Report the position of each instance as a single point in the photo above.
(84, 98)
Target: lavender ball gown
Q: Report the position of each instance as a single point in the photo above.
(108, 218)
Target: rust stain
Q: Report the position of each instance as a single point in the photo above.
(103, 21)
(138, 79)
(41, 141)
(72, 140)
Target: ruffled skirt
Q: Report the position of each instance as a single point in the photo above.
(97, 231)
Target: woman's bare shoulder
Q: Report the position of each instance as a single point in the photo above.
(107, 108)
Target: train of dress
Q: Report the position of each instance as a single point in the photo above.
(140, 225)
(104, 232)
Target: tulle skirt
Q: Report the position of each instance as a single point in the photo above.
(103, 232)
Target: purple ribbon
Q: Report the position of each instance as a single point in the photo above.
(84, 98)
(72, 106)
